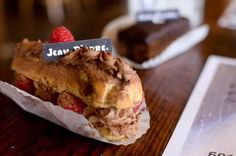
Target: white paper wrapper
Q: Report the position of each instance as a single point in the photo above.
(179, 46)
(70, 120)
(228, 18)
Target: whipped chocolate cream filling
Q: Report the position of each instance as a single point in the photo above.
(113, 116)
(45, 93)
(116, 121)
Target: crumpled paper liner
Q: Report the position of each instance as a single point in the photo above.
(68, 119)
(228, 19)
(177, 47)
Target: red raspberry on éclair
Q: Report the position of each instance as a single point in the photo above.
(61, 34)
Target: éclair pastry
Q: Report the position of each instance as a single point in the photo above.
(106, 90)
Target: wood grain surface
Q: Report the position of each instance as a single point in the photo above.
(167, 89)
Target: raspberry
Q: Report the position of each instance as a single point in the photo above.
(135, 108)
(24, 84)
(71, 102)
(61, 34)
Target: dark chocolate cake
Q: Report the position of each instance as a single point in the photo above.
(145, 40)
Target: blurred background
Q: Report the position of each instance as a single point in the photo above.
(34, 19)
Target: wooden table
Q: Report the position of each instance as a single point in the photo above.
(167, 89)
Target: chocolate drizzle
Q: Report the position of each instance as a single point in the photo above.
(114, 66)
(29, 48)
(104, 60)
